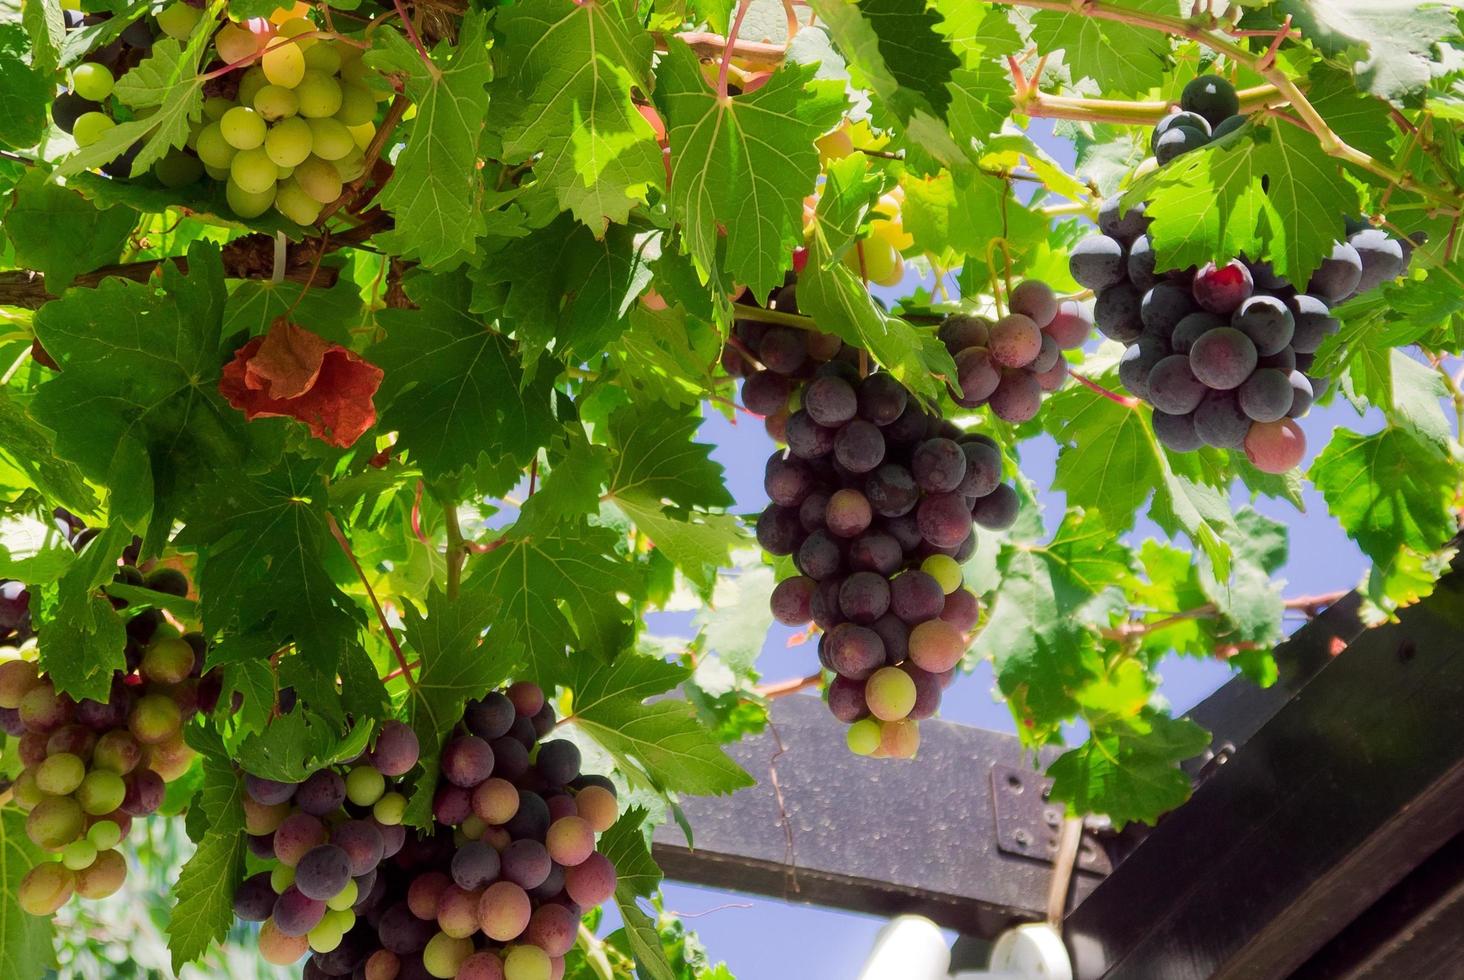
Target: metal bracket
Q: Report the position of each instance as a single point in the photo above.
(1027, 824)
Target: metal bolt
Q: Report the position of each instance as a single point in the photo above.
(1022, 838)
(1051, 816)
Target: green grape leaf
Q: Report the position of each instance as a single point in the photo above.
(455, 667)
(562, 286)
(46, 26)
(636, 874)
(977, 32)
(1399, 39)
(1128, 768)
(1267, 190)
(203, 896)
(81, 652)
(332, 313)
(568, 71)
(435, 187)
(25, 940)
(741, 167)
(27, 89)
(1389, 491)
(299, 743)
(61, 234)
(28, 450)
(644, 941)
(916, 57)
(1359, 119)
(263, 543)
(661, 743)
(1122, 58)
(167, 82)
(137, 407)
(559, 591)
(454, 390)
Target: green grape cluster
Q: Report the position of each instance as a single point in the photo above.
(91, 767)
(287, 127)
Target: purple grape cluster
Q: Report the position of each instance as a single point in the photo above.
(875, 500)
(91, 767)
(494, 892)
(1224, 353)
(1010, 363)
(1209, 109)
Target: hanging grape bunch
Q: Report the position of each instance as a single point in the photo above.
(494, 893)
(1011, 362)
(875, 500)
(92, 767)
(285, 123)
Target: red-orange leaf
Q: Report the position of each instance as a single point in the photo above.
(293, 373)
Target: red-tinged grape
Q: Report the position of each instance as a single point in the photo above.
(424, 894)
(875, 551)
(787, 480)
(322, 872)
(1222, 359)
(597, 805)
(766, 392)
(451, 805)
(1047, 357)
(936, 645)
(960, 331)
(900, 739)
(1072, 325)
(864, 597)
(916, 596)
(998, 510)
(145, 791)
(570, 841)
(1221, 289)
(1035, 300)
(1096, 262)
(881, 399)
(495, 801)
(820, 556)
(117, 751)
(830, 401)
(1275, 447)
(944, 519)
(791, 600)
(892, 491)
(104, 877)
(279, 947)
(17, 679)
(558, 762)
(483, 965)
(467, 761)
(402, 932)
(779, 531)
(553, 928)
(561, 805)
(489, 717)
(297, 835)
(1017, 398)
(782, 350)
(1171, 386)
(254, 899)
(848, 513)
(846, 700)
(322, 794)
(532, 818)
(295, 913)
(267, 791)
(55, 822)
(504, 911)
(475, 865)
(890, 693)
(938, 465)
(854, 651)
(592, 882)
(927, 691)
(386, 965)
(45, 888)
(806, 438)
(42, 710)
(961, 610)
(983, 469)
(1015, 341)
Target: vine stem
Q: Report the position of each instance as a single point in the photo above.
(391, 637)
(595, 954)
(754, 53)
(1124, 400)
(726, 66)
(1311, 605)
(781, 689)
(457, 549)
(416, 40)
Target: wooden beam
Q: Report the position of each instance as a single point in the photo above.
(878, 836)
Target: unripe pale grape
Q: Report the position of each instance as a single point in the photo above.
(890, 693)
(282, 876)
(250, 83)
(245, 204)
(351, 166)
(590, 882)
(17, 679)
(330, 139)
(26, 793)
(357, 106)
(945, 570)
(390, 809)
(92, 81)
(363, 134)
(364, 785)
(104, 834)
(444, 954)
(117, 751)
(154, 719)
(102, 877)
(253, 171)
(60, 774)
(527, 963)
(863, 737)
(214, 108)
(318, 178)
(295, 27)
(178, 169)
(212, 148)
(177, 20)
(45, 888)
(242, 128)
(235, 43)
(100, 792)
(324, 57)
(55, 822)
(344, 899)
(90, 127)
(288, 142)
(79, 854)
(167, 659)
(320, 95)
(283, 62)
(274, 102)
(326, 936)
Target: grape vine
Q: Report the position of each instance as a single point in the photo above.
(374, 376)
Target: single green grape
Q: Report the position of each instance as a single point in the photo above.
(330, 139)
(945, 570)
(275, 102)
(295, 204)
(343, 901)
(363, 134)
(92, 81)
(527, 963)
(320, 95)
(212, 148)
(283, 62)
(320, 179)
(863, 737)
(104, 835)
(92, 126)
(247, 205)
(102, 791)
(215, 106)
(79, 855)
(288, 142)
(357, 106)
(325, 57)
(178, 169)
(325, 936)
(282, 877)
(216, 173)
(250, 83)
(352, 165)
(364, 785)
(392, 807)
(242, 128)
(177, 20)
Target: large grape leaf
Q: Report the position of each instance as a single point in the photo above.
(456, 666)
(567, 71)
(28, 458)
(1129, 767)
(299, 743)
(1266, 191)
(137, 406)
(1390, 46)
(203, 896)
(167, 83)
(263, 543)
(663, 742)
(740, 167)
(61, 234)
(454, 390)
(559, 591)
(1120, 57)
(977, 32)
(435, 188)
(25, 940)
(27, 87)
(917, 58)
(1389, 491)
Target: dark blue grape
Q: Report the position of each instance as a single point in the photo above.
(1116, 312)
(254, 899)
(475, 865)
(492, 715)
(1176, 432)
(558, 762)
(1266, 395)
(1097, 262)
(1210, 96)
